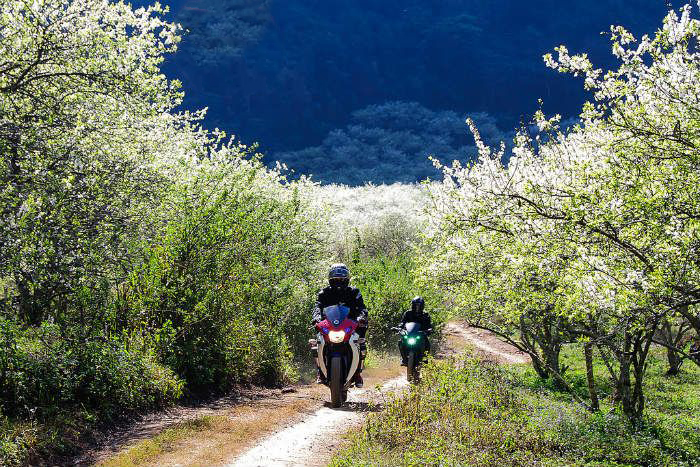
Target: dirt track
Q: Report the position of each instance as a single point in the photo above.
(312, 441)
(487, 345)
(295, 428)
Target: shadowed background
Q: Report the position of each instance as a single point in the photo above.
(357, 91)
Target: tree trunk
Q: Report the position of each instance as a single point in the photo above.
(551, 358)
(642, 344)
(541, 336)
(674, 362)
(624, 385)
(540, 369)
(667, 337)
(588, 351)
(27, 306)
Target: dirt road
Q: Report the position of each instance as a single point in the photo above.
(291, 428)
(487, 345)
(312, 442)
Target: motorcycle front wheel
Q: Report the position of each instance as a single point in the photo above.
(411, 371)
(336, 382)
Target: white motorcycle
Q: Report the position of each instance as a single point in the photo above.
(337, 350)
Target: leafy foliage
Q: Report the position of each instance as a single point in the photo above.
(142, 256)
(388, 283)
(44, 371)
(230, 272)
(81, 116)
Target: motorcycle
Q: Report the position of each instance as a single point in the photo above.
(413, 343)
(337, 350)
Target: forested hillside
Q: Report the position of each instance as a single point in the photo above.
(294, 74)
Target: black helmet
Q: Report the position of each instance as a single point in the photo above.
(339, 275)
(417, 304)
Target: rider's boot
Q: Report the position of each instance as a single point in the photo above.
(359, 382)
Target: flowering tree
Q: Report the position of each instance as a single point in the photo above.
(83, 117)
(609, 210)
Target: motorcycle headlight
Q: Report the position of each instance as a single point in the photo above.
(411, 341)
(336, 336)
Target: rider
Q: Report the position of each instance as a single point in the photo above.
(416, 315)
(339, 291)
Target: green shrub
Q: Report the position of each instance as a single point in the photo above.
(219, 289)
(57, 384)
(16, 440)
(388, 283)
(46, 369)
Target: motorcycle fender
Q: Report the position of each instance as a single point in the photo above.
(355, 347)
(319, 359)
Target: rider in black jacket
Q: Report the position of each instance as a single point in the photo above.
(417, 315)
(339, 291)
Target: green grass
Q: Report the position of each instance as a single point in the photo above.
(145, 451)
(465, 412)
(15, 441)
(45, 440)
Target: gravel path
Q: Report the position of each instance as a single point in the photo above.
(312, 441)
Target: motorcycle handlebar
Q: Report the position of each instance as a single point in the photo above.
(360, 323)
(427, 332)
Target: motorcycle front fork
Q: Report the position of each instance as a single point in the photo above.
(313, 346)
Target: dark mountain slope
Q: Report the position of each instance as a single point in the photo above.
(287, 72)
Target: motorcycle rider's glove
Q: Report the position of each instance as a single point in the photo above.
(362, 322)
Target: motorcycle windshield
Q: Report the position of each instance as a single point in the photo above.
(336, 314)
(412, 328)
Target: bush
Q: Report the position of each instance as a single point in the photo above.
(45, 369)
(220, 287)
(16, 440)
(388, 283)
(57, 384)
